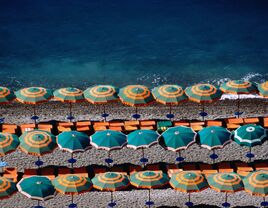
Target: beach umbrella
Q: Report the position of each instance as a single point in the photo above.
(6, 96)
(37, 188)
(178, 138)
(69, 95)
(71, 184)
(263, 90)
(37, 143)
(225, 182)
(135, 96)
(169, 95)
(33, 96)
(111, 181)
(188, 182)
(108, 140)
(149, 180)
(214, 137)
(101, 95)
(250, 135)
(7, 188)
(73, 141)
(141, 139)
(238, 87)
(203, 93)
(256, 183)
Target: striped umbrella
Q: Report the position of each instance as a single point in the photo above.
(188, 182)
(250, 135)
(8, 143)
(135, 96)
(33, 96)
(6, 95)
(73, 141)
(38, 143)
(256, 183)
(71, 184)
(36, 187)
(149, 180)
(214, 137)
(101, 94)
(69, 95)
(141, 139)
(110, 181)
(203, 93)
(169, 95)
(7, 188)
(238, 87)
(178, 138)
(263, 89)
(108, 140)
(225, 182)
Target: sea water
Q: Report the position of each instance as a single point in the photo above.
(57, 43)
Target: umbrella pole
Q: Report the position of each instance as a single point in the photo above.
(70, 111)
(38, 203)
(189, 197)
(104, 112)
(238, 106)
(72, 165)
(250, 154)
(213, 152)
(203, 111)
(72, 198)
(35, 126)
(112, 197)
(149, 198)
(226, 197)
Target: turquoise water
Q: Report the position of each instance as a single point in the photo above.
(79, 43)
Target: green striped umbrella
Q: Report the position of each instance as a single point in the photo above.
(225, 182)
(73, 141)
(7, 188)
(214, 137)
(69, 95)
(203, 93)
(108, 140)
(71, 184)
(8, 143)
(36, 187)
(238, 87)
(149, 180)
(250, 135)
(187, 182)
(110, 181)
(101, 94)
(6, 95)
(263, 89)
(135, 96)
(141, 139)
(178, 138)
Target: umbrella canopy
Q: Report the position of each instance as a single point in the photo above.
(250, 135)
(169, 94)
(214, 137)
(188, 181)
(108, 140)
(33, 95)
(263, 89)
(256, 183)
(37, 142)
(135, 95)
(225, 182)
(8, 143)
(7, 188)
(6, 95)
(101, 94)
(178, 138)
(149, 179)
(72, 184)
(203, 93)
(73, 141)
(142, 139)
(69, 95)
(238, 87)
(110, 181)
(36, 187)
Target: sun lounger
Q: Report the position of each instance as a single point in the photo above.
(181, 123)
(116, 128)
(232, 126)
(11, 173)
(235, 121)
(251, 120)
(101, 123)
(225, 167)
(116, 123)
(9, 128)
(265, 122)
(173, 171)
(131, 123)
(147, 123)
(242, 166)
(83, 126)
(66, 124)
(27, 127)
(261, 165)
(45, 127)
(131, 128)
(242, 173)
(99, 128)
(62, 129)
(147, 127)
(214, 123)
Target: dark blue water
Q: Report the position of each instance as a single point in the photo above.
(84, 42)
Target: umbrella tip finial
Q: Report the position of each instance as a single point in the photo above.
(140, 132)
(39, 182)
(108, 134)
(73, 135)
(176, 132)
(212, 131)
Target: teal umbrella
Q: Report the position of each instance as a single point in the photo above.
(250, 135)
(178, 138)
(73, 141)
(141, 139)
(108, 140)
(214, 137)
